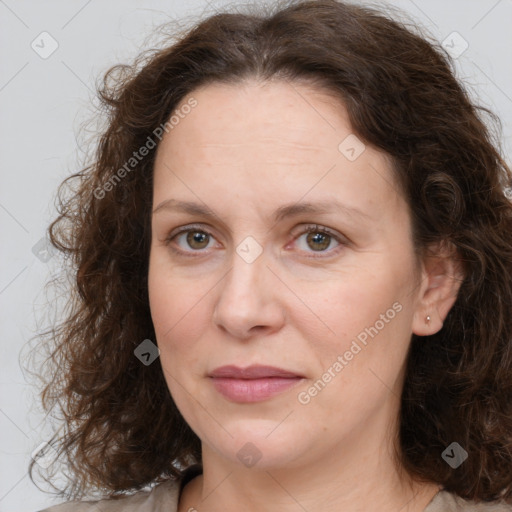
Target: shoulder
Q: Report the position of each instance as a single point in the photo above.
(445, 501)
(162, 497)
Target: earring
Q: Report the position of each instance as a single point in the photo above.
(427, 319)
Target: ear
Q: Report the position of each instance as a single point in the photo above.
(441, 277)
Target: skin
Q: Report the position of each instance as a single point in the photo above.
(244, 151)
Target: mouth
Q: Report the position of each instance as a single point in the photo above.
(255, 371)
(254, 383)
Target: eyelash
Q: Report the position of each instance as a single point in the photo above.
(309, 229)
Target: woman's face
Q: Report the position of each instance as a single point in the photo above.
(248, 285)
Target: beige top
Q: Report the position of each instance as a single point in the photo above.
(164, 497)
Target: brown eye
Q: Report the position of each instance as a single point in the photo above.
(197, 239)
(189, 240)
(318, 241)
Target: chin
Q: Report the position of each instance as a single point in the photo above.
(260, 445)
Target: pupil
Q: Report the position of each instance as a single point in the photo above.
(196, 237)
(318, 237)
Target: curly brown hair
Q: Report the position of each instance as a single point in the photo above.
(122, 430)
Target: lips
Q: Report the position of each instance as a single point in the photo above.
(252, 372)
(253, 384)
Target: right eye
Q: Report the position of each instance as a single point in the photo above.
(192, 237)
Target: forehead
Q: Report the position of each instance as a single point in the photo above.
(254, 112)
(268, 139)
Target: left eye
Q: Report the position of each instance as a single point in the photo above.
(318, 239)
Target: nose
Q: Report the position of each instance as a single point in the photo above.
(248, 301)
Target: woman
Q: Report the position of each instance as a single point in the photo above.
(292, 260)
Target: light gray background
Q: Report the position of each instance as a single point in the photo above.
(42, 105)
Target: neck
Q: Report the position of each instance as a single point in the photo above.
(352, 476)
(272, 491)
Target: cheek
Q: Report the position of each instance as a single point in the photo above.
(171, 298)
(363, 316)
(177, 322)
(356, 370)
(346, 303)
(178, 308)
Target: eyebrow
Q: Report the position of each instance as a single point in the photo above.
(287, 210)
